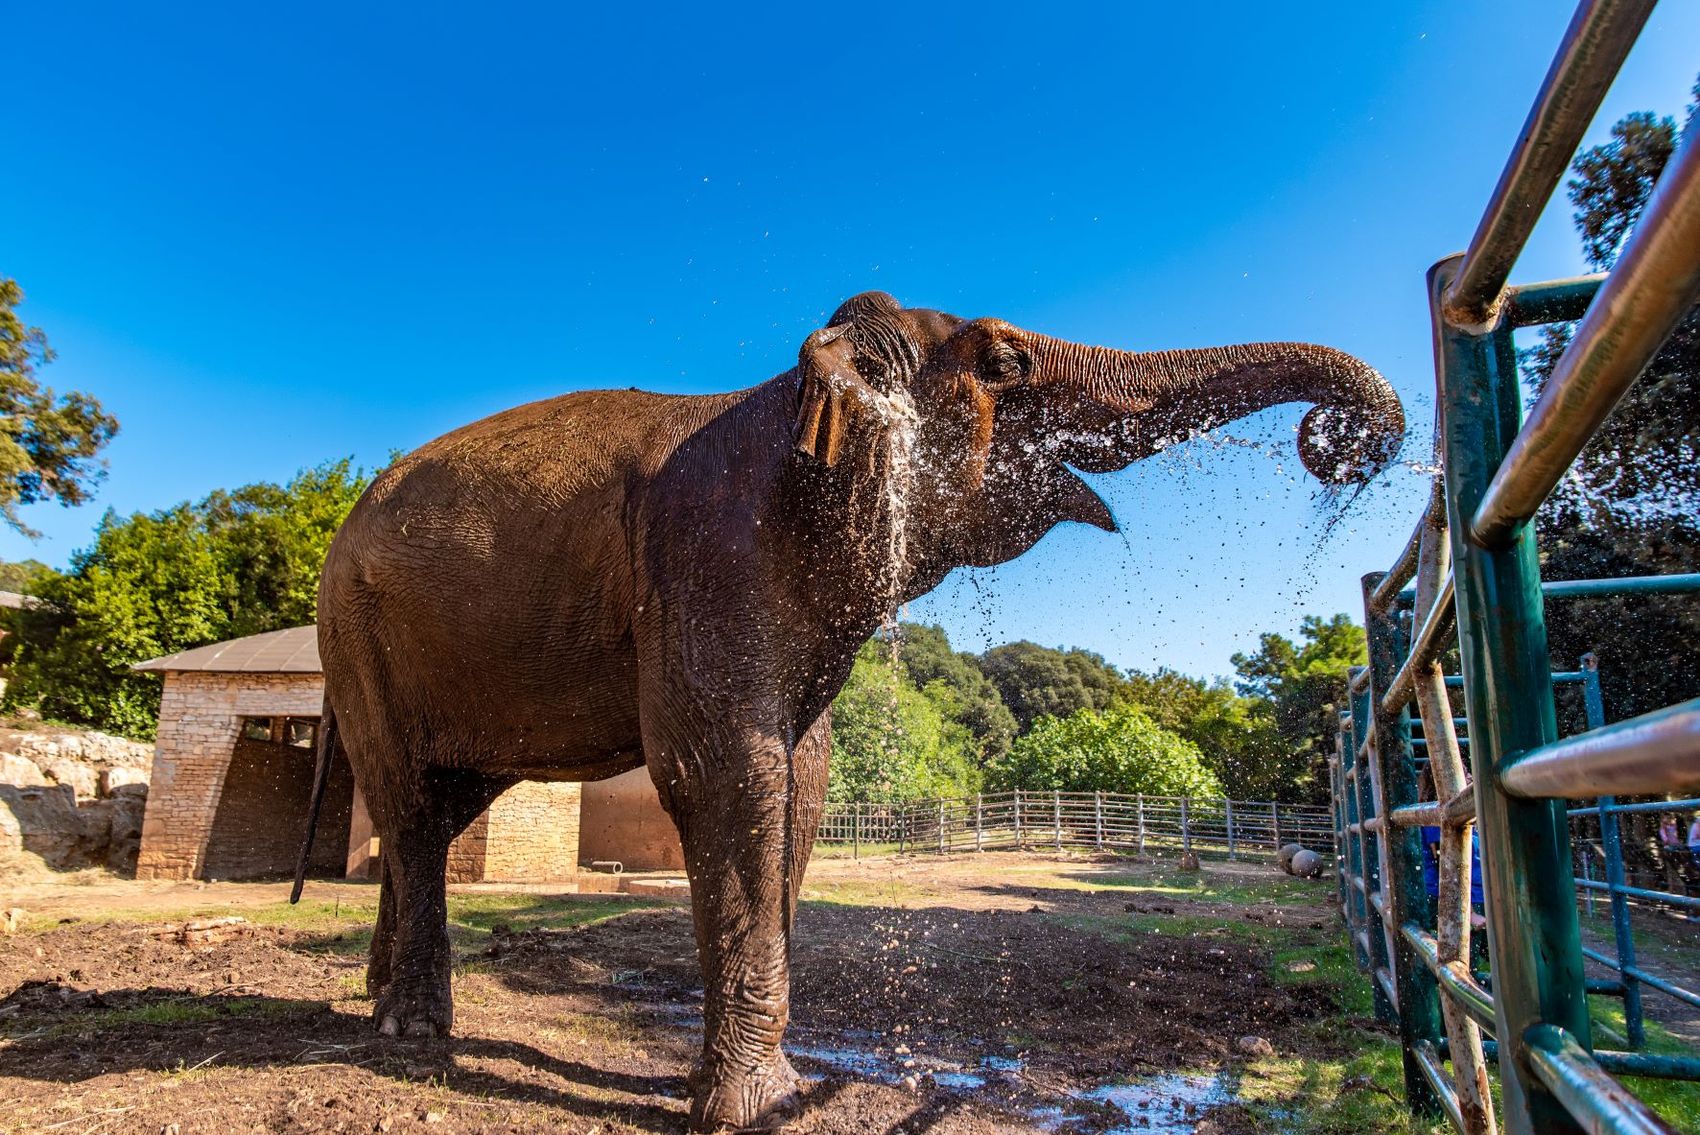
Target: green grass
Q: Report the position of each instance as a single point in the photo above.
(178, 1011)
(1676, 1101)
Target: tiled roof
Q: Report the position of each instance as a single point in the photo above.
(292, 651)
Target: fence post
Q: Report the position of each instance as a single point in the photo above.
(1228, 809)
(1611, 842)
(901, 815)
(979, 816)
(1186, 827)
(1098, 820)
(941, 827)
(1018, 819)
(1274, 827)
(856, 837)
(1142, 823)
(1056, 815)
(1502, 643)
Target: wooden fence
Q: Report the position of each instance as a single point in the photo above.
(1099, 820)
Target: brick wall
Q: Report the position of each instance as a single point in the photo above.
(200, 718)
(531, 833)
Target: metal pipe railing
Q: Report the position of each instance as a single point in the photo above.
(1552, 301)
(1655, 282)
(1430, 641)
(1594, 47)
(1626, 585)
(1586, 1090)
(1651, 753)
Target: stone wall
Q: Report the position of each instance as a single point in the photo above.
(200, 719)
(533, 831)
(625, 822)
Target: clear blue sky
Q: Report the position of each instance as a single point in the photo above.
(268, 236)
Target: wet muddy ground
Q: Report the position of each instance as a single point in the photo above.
(994, 993)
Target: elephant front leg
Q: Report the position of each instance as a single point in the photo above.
(746, 819)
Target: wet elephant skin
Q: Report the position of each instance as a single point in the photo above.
(572, 588)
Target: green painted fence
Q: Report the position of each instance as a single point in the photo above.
(1477, 580)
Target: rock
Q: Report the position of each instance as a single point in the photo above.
(1254, 1046)
(20, 771)
(11, 920)
(1189, 861)
(112, 779)
(1284, 858)
(124, 831)
(48, 822)
(1307, 864)
(83, 780)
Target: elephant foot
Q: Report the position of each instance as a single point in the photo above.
(418, 1009)
(761, 1099)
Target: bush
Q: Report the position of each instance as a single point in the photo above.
(1119, 749)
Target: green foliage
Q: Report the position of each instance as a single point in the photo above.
(1119, 749)
(1630, 504)
(48, 442)
(1236, 735)
(237, 563)
(1301, 690)
(892, 742)
(975, 703)
(24, 576)
(1037, 681)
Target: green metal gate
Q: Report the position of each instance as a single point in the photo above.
(1473, 560)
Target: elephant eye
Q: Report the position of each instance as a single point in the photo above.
(1004, 364)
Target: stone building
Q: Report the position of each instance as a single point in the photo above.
(233, 771)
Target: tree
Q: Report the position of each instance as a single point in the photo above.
(1119, 749)
(1036, 681)
(892, 742)
(1631, 503)
(23, 576)
(1302, 689)
(954, 678)
(1235, 735)
(49, 444)
(236, 563)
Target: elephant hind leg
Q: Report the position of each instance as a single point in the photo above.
(409, 973)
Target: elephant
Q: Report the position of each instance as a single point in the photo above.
(606, 579)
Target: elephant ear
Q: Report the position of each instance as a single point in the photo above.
(827, 394)
(847, 368)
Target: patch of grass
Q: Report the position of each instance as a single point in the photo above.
(185, 1011)
(1358, 1094)
(1676, 1101)
(472, 916)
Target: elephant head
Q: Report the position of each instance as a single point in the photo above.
(982, 421)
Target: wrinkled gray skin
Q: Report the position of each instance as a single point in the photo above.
(575, 587)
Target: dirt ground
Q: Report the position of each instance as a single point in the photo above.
(976, 995)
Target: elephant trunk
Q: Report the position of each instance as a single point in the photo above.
(1119, 406)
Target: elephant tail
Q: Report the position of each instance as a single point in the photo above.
(321, 774)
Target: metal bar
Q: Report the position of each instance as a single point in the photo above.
(1687, 805)
(1647, 1064)
(1643, 893)
(1399, 574)
(1611, 842)
(1585, 1090)
(1460, 809)
(1525, 845)
(1655, 282)
(1440, 1085)
(1594, 47)
(1686, 996)
(1552, 301)
(1628, 585)
(1454, 977)
(1430, 641)
(1406, 898)
(1651, 753)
